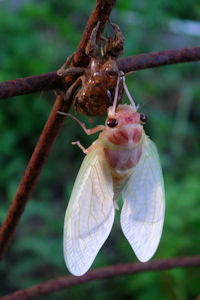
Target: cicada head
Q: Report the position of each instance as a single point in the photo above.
(126, 115)
(124, 126)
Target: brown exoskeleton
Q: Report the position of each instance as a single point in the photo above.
(94, 89)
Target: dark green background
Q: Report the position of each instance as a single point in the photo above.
(36, 37)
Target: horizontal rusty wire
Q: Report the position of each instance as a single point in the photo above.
(50, 132)
(129, 64)
(102, 273)
(28, 85)
(157, 59)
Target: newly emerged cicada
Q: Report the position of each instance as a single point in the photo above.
(122, 159)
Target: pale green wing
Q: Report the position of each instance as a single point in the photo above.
(143, 210)
(90, 213)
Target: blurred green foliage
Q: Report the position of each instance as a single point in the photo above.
(36, 37)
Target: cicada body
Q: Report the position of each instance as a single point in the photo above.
(123, 159)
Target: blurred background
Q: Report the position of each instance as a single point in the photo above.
(36, 37)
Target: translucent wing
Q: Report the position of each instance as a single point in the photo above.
(90, 213)
(143, 210)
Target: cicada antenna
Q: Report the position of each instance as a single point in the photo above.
(129, 95)
(116, 96)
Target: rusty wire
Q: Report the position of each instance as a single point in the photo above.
(129, 64)
(102, 273)
(157, 59)
(50, 132)
(28, 85)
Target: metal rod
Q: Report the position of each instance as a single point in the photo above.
(102, 273)
(129, 64)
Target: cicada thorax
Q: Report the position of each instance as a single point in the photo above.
(122, 143)
(98, 87)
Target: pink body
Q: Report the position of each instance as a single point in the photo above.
(122, 144)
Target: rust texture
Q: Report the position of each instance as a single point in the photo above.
(129, 64)
(102, 273)
(157, 59)
(48, 136)
(34, 167)
(29, 85)
(101, 13)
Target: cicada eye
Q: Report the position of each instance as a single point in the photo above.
(112, 123)
(143, 118)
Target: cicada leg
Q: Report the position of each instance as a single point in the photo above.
(87, 131)
(92, 47)
(85, 150)
(119, 36)
(65, 70)
(78, 71)
(114, 46)
(65, 65)
(71, 90)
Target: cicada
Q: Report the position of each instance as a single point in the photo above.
(122, 159)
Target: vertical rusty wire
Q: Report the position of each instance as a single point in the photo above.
(53, 125)
(32, 172)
